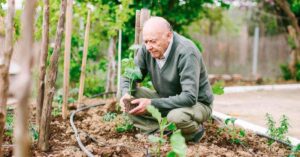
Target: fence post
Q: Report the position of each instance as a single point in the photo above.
(255, 51)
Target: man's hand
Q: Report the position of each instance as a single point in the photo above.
(142, 106)
(122, 105)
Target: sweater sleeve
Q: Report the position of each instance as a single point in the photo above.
(189, 72)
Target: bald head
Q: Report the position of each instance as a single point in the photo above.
(157, 23)
(157, 34)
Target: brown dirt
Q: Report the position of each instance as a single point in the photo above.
(128, 105)
(101, 138)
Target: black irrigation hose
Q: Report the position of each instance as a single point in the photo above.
(82, 147)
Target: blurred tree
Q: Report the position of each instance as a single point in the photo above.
(288, 13)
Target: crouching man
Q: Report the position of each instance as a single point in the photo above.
(182, 91)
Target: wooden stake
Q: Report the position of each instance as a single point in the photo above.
(67, 58)
(4, 66)
(85, 51)
(22, 114)
(43, 61)
(137, 27)
(44, 130)
(145, 15)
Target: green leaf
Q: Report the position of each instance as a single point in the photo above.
(171, 154)
(218, 88)
(230, 120)
(178, 143)
(154, 112)
(155, 139)
(172, 127)
(242, 133)
(164, 122)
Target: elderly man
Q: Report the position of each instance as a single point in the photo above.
(182, 91)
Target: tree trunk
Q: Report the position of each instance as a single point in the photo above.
(284, 5)
(22, 114)
(67, 58)
(43, 142)
(43, 61)
(84, 57)
(111, 69)
(4, 66)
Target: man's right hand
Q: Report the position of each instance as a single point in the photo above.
(126, 96)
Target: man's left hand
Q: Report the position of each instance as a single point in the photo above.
(142, 106)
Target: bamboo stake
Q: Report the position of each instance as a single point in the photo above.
(119, 65)
(21, 131)
(44, 129)
(67, 58)
(4, 66)
(43, 61)
(85, 51)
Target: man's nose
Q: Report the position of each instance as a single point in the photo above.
(149, 47)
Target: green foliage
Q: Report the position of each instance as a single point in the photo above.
(232, 133)
(131, 72)
(218, 88)
(295, 151)
(109, 116)
(58, 98)
(177, 140)
(2, 12)
(278, 133)
(286, 73)
(126, 125)
(34, 132)
(178, 145)
(9, 124)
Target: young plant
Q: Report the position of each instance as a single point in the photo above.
(125, 125)
(177, 141)
(131, 72)
(295, 151)
(218, 88)
(231, 132)
(9, 125)
(278, 133)
(109, 116)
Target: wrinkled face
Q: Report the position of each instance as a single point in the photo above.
(156, 41)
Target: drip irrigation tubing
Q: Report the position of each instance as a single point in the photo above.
(75, 130)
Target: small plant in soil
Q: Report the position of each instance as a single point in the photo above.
(9, 124)
(231, 132)
(278, 133)
(177, 140)
(218, 88)
(125, 125)
(109, 116)
(132, 73)
(295, 151)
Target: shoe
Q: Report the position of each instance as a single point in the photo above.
(196, 137)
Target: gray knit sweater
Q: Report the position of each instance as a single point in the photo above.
(181, 82)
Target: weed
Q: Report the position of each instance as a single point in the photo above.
(231, 132)
(278, 133)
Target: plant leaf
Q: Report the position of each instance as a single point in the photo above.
(171, 154)
(178, 143)
(154, 112)
(218, 88)
(155, 139)
(172, 127)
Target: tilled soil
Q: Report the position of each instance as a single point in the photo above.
(100, 138)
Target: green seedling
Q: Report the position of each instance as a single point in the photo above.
(126, 125)
(278, 133)
(231, 132)
(131, 72)
(178, 145)
(218, 88)
(9, 125)
(177, 141)
(34, 132)
(295, 151)
(109, 116)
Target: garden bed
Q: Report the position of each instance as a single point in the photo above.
(101, 138)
